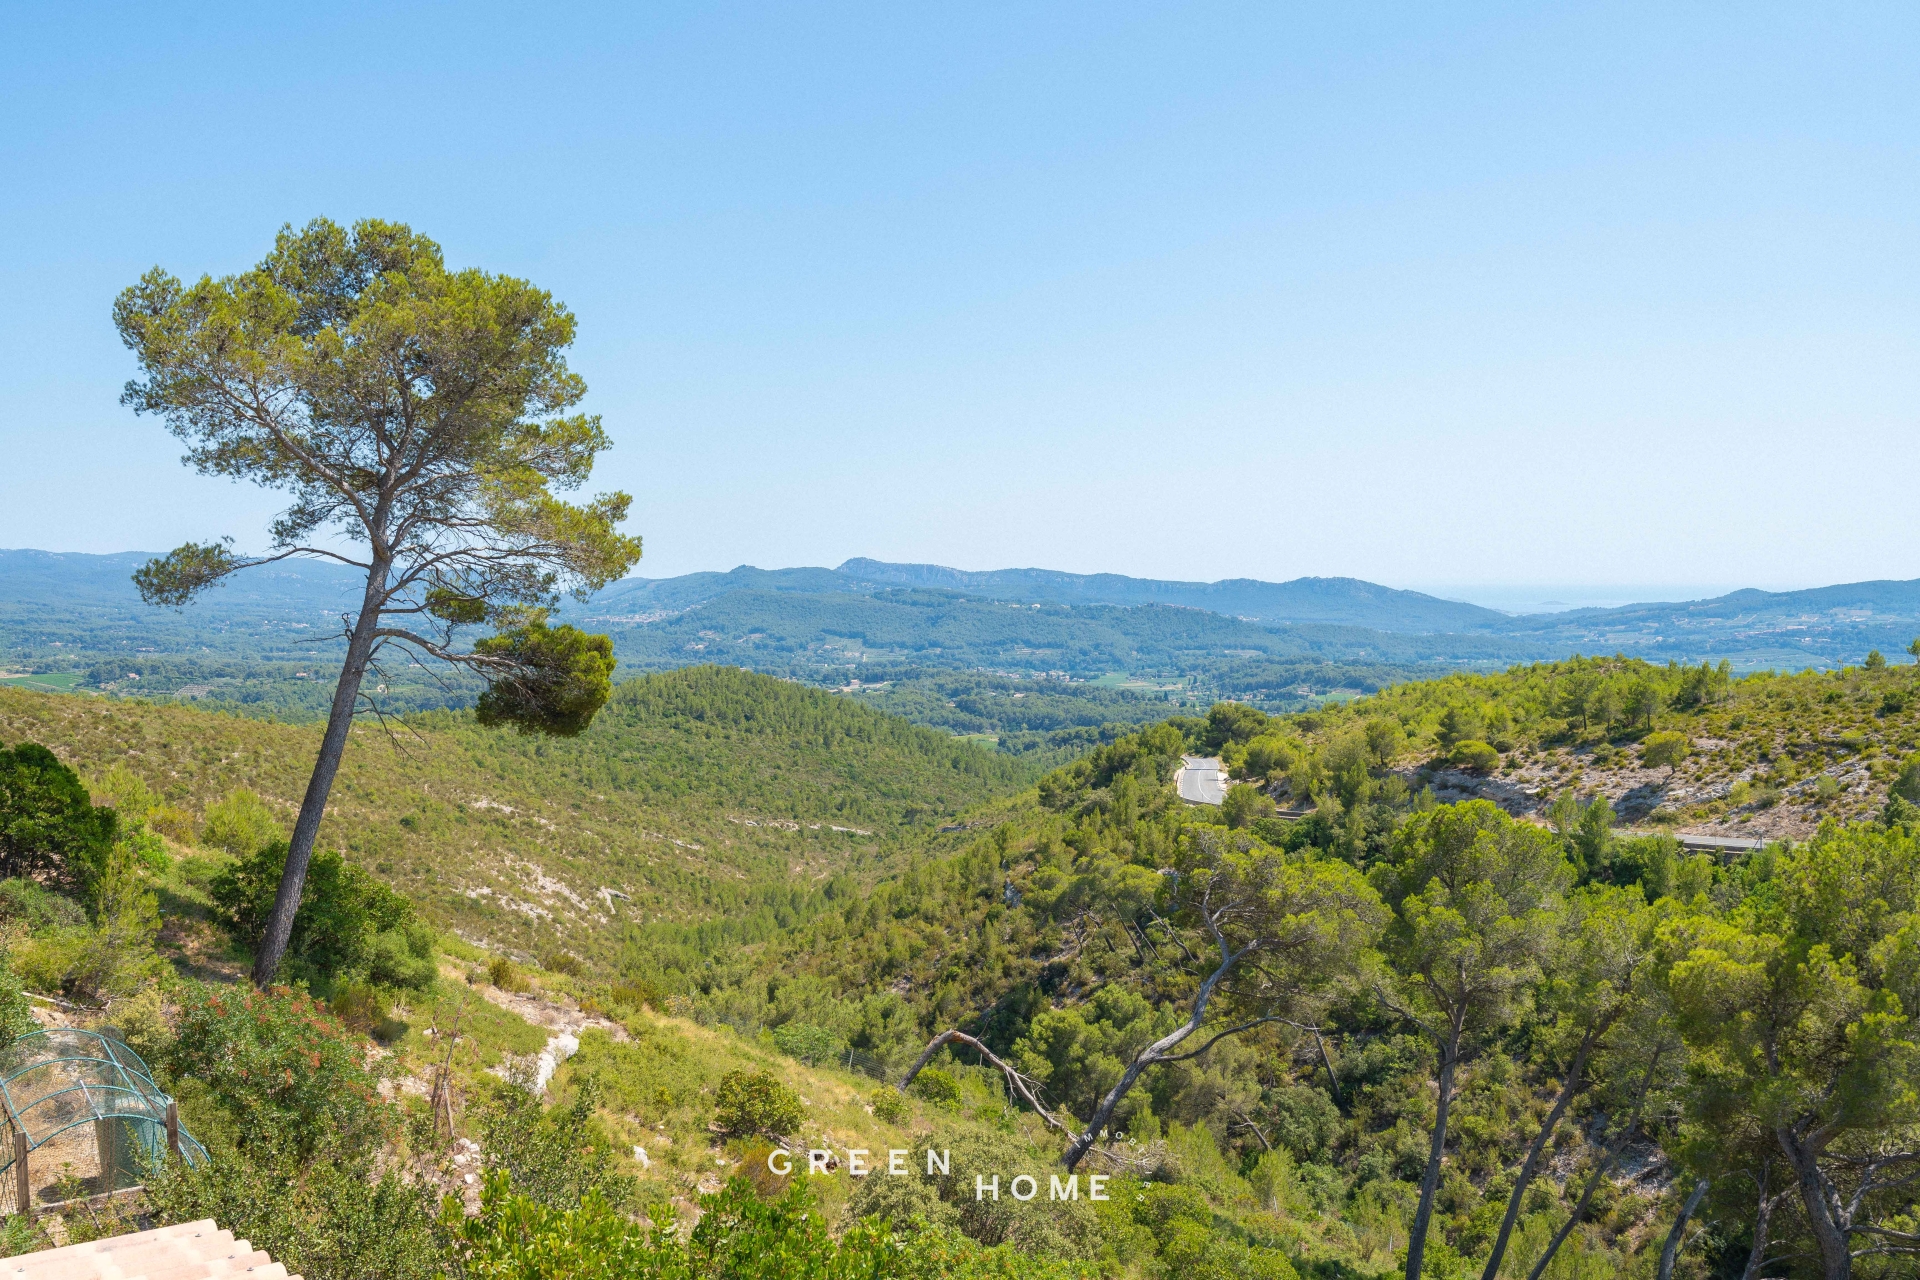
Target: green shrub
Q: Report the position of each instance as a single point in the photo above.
(288, 1073)
(636, 993)
(1041, 1228)
(937, 1087)
(1305, 1121)
(740, 1236)
(503, 973)
(112, 956)
(1906, 784)
(171, 821)
(563, 962)
(37, 907)
(1162, 1206)
(889, 1107)
(16, 1011)
(349, 926)
(366, 1009)
(50, 830)
(331, 1219)
(1474, 755)
(1664, 750)
(754, 1102)
(241, 824)
(804, 1042)
(1244, 805)
(554, 1155)
(142, 1023)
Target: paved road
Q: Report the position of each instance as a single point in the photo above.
(1201, 780)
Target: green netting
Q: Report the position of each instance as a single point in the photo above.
(63, 1077)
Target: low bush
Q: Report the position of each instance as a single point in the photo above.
(241, 824)
(755, 1102)
(889, 1107)
(111, 956)
(505, 974)
(290, 1075)
(937, 1087)
(804, 1042)
(349, 927)
(1474, 756)
(740, 1235)
(554, 1155)
(333, 1219)
(37, 907)
(563, 962)
(636, 993)
(1665, 749)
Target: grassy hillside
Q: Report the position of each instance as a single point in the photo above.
(700, 794)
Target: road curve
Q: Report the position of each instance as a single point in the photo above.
(1201, 780)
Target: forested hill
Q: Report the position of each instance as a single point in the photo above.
(1339, 601)
(1787, 630)
(1665, 1024)
(266, 641)
(268, 644)
(697, 794)
(812, 634)
(1821, 626)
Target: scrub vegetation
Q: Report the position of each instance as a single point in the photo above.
(1458, 1020)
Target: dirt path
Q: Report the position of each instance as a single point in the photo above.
(564, 1019)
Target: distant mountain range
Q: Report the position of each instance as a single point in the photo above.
(1339, 601)
(1789, 629)
(65, 579)
(1279, 644)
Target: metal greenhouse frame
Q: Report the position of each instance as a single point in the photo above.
(55, 1081)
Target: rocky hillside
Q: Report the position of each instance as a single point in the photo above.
(1763, 756)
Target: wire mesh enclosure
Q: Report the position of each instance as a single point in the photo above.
(83, 1118)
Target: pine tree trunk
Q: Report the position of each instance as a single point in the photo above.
(1763, 1218)
(1836, 1260)
(333, 745)
(1670, 1252)
(1430, 1184)
(1527, 1166)
(1600, 1171)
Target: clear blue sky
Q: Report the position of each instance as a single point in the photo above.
(1434, 294)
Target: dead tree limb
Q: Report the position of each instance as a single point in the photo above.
(1019, 1083)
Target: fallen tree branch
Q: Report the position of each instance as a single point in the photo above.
(1015, 1081)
